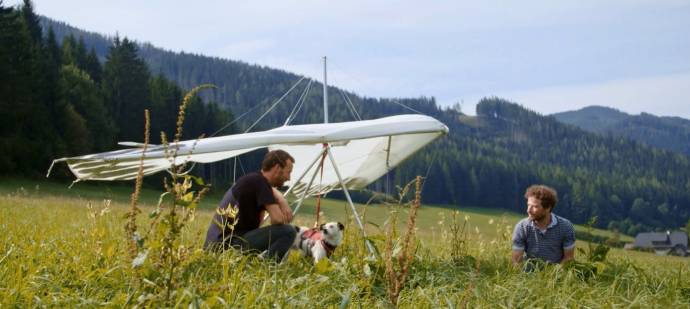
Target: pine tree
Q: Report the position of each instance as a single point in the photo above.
(165, 100)
(125, 84)
(54, 51)
(69, 54)
(32, 22)
(26, 92)
(81, 96)
(80, 54)
(14, 88)
(93, 66)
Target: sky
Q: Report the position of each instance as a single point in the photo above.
(549, 56)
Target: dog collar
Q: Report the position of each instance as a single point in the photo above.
(329, 248)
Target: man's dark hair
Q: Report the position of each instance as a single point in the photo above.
(274, 157)
(545, 194)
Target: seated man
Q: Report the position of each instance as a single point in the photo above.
(250, 197)
(543, 235)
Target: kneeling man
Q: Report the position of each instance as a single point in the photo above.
(250, 197)
(543, 235)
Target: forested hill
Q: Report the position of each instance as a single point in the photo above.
(672, 133)
(592, 118)
(59, 99)
(486, 161)
(242, 86)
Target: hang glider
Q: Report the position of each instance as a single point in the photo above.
(359, 152)
(365, 150)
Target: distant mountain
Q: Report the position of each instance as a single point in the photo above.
(592, 118)
(670, 133)
(100, 42)
(485, 161)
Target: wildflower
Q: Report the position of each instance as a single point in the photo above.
(491, 221)
(343, 261)
(300, 280)
(139, 260)
(228, 212)
(322, 278)
(367, 270)
(92, 213)
(371, 258)
(182, 252)
(106, 208)
(136, 237)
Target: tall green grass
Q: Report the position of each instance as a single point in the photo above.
(69, 251)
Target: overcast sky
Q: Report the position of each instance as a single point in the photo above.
(549, 56)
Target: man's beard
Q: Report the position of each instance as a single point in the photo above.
(537, 218)
(279, 183)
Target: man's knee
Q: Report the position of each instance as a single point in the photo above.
(286, 230)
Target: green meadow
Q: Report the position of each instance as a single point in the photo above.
(67, 248)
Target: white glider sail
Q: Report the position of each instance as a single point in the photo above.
(365, 150)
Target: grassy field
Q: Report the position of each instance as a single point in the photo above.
(488, 223)
(67, 248)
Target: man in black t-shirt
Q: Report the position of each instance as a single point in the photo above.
(250, 198)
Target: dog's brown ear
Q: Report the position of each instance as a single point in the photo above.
(341, 226)
(322, 227)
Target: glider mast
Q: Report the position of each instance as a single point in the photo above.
(325, 92)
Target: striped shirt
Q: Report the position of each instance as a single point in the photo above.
(547, 245)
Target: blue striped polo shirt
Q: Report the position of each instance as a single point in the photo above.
(547, 245)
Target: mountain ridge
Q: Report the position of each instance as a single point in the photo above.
(665, 132)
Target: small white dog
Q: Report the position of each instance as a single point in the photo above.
(319, 242)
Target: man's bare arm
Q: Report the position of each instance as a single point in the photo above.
(277, 215)
(568, 255)
(279, 212)
(517, 256)
(283, 205)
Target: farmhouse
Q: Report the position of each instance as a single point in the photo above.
(675, 243)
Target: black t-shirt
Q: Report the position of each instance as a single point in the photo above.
(250, 194)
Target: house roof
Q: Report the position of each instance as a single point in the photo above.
(654, 239)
